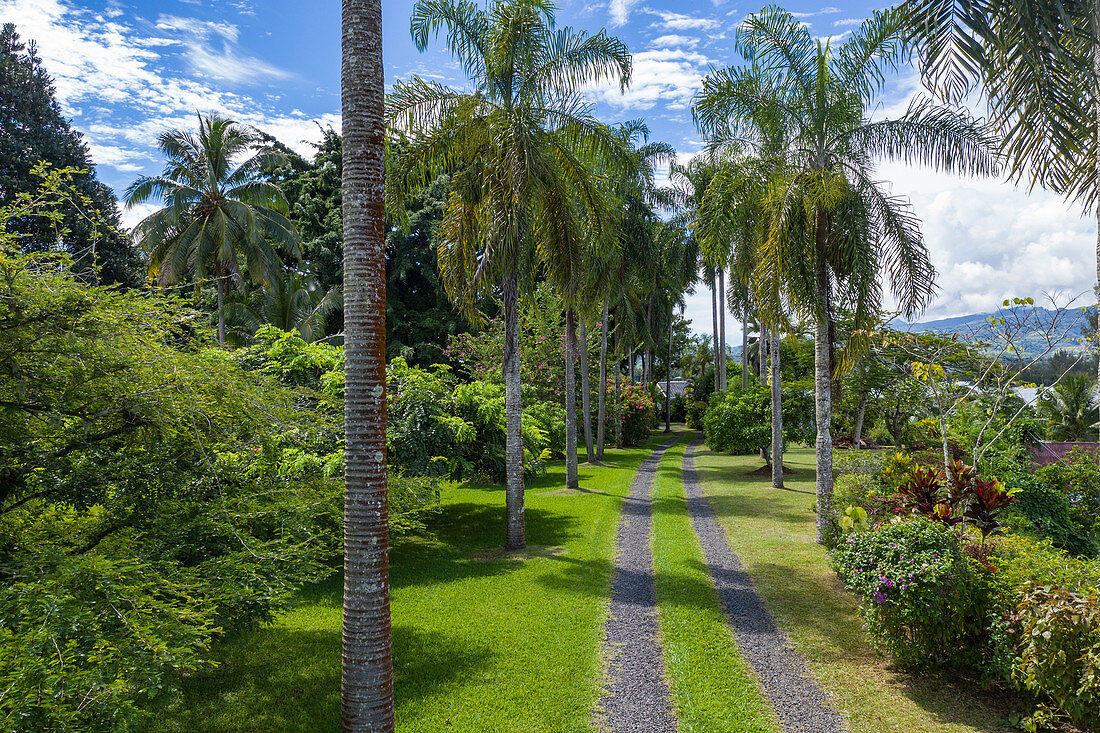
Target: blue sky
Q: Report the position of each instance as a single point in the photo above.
(126, 71)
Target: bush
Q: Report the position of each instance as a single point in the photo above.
(549, 417)
(694, 414)
(918, 595)
(678, 408)
(1059, 656)
(1045, 511)
(740, 422)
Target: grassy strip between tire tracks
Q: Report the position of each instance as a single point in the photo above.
(713, 689)
(483, 640)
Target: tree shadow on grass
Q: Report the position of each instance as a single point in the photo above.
(460, 532)
(818, 607)
(284, 679)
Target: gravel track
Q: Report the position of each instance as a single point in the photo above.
(799, 702)
(636, 697)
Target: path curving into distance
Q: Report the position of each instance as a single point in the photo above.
(799, 702)
(636, 697)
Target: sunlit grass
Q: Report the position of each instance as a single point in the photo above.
(483, 641)
(713, 689)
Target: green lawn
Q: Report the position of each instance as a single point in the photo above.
(773, 532)
(713, 689)
(482, 641)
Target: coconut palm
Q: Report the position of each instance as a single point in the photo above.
(219, 210)
(831, 225)
(515, 144)
(366, 692)
(1038, 66)
(1069, 408)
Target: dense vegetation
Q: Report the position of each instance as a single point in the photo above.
(172, 399)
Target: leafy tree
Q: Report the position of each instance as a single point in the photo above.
(514, 143)
(153, 495)
(219, 211)
(35, 131)
(419, 317)
(366, 689)
(832, 226)
(1069, 408)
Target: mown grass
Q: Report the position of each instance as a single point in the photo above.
(483, 640)
(773, 532)
(713, 689)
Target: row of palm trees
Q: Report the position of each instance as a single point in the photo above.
(540, 190)
(794, 211)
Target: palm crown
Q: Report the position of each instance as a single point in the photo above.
(219, 209)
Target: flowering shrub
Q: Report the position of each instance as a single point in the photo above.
(637, 412)
(917, 590)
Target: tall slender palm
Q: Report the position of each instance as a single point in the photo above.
(832, 226)
(366, 692)
(733, 225)
(624, 257)
(219, 209)
(515, 144)
(1038, 64)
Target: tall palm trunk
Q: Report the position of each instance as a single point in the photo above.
(823, 387)
(571, 480)
(714, 325)
(601, 410)
(586, 393)
(762, 353)
(857, 430)
(366, 681)
(618, 403)
(722, 324)
(516, 533)
(777, 414)
(668, 377)
(745, 350)
(647, 355)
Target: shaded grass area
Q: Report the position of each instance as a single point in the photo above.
(773, 532)
(713, 689)
(483, 640)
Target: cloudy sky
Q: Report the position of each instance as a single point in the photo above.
(125, 71)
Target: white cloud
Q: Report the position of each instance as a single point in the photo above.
(670, 76)
(680, 22)
(196, 27)
(620, 11)
(674, 40)
(121, 85)
(847, 22)
(230, 66)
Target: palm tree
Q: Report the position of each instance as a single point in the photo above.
(218, 210)
(292, 302)
(1069, 408)
(366, 692)
(832, 226)
(515, 145)
(1038, 64)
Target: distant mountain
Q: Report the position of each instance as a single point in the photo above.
(977, 325)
